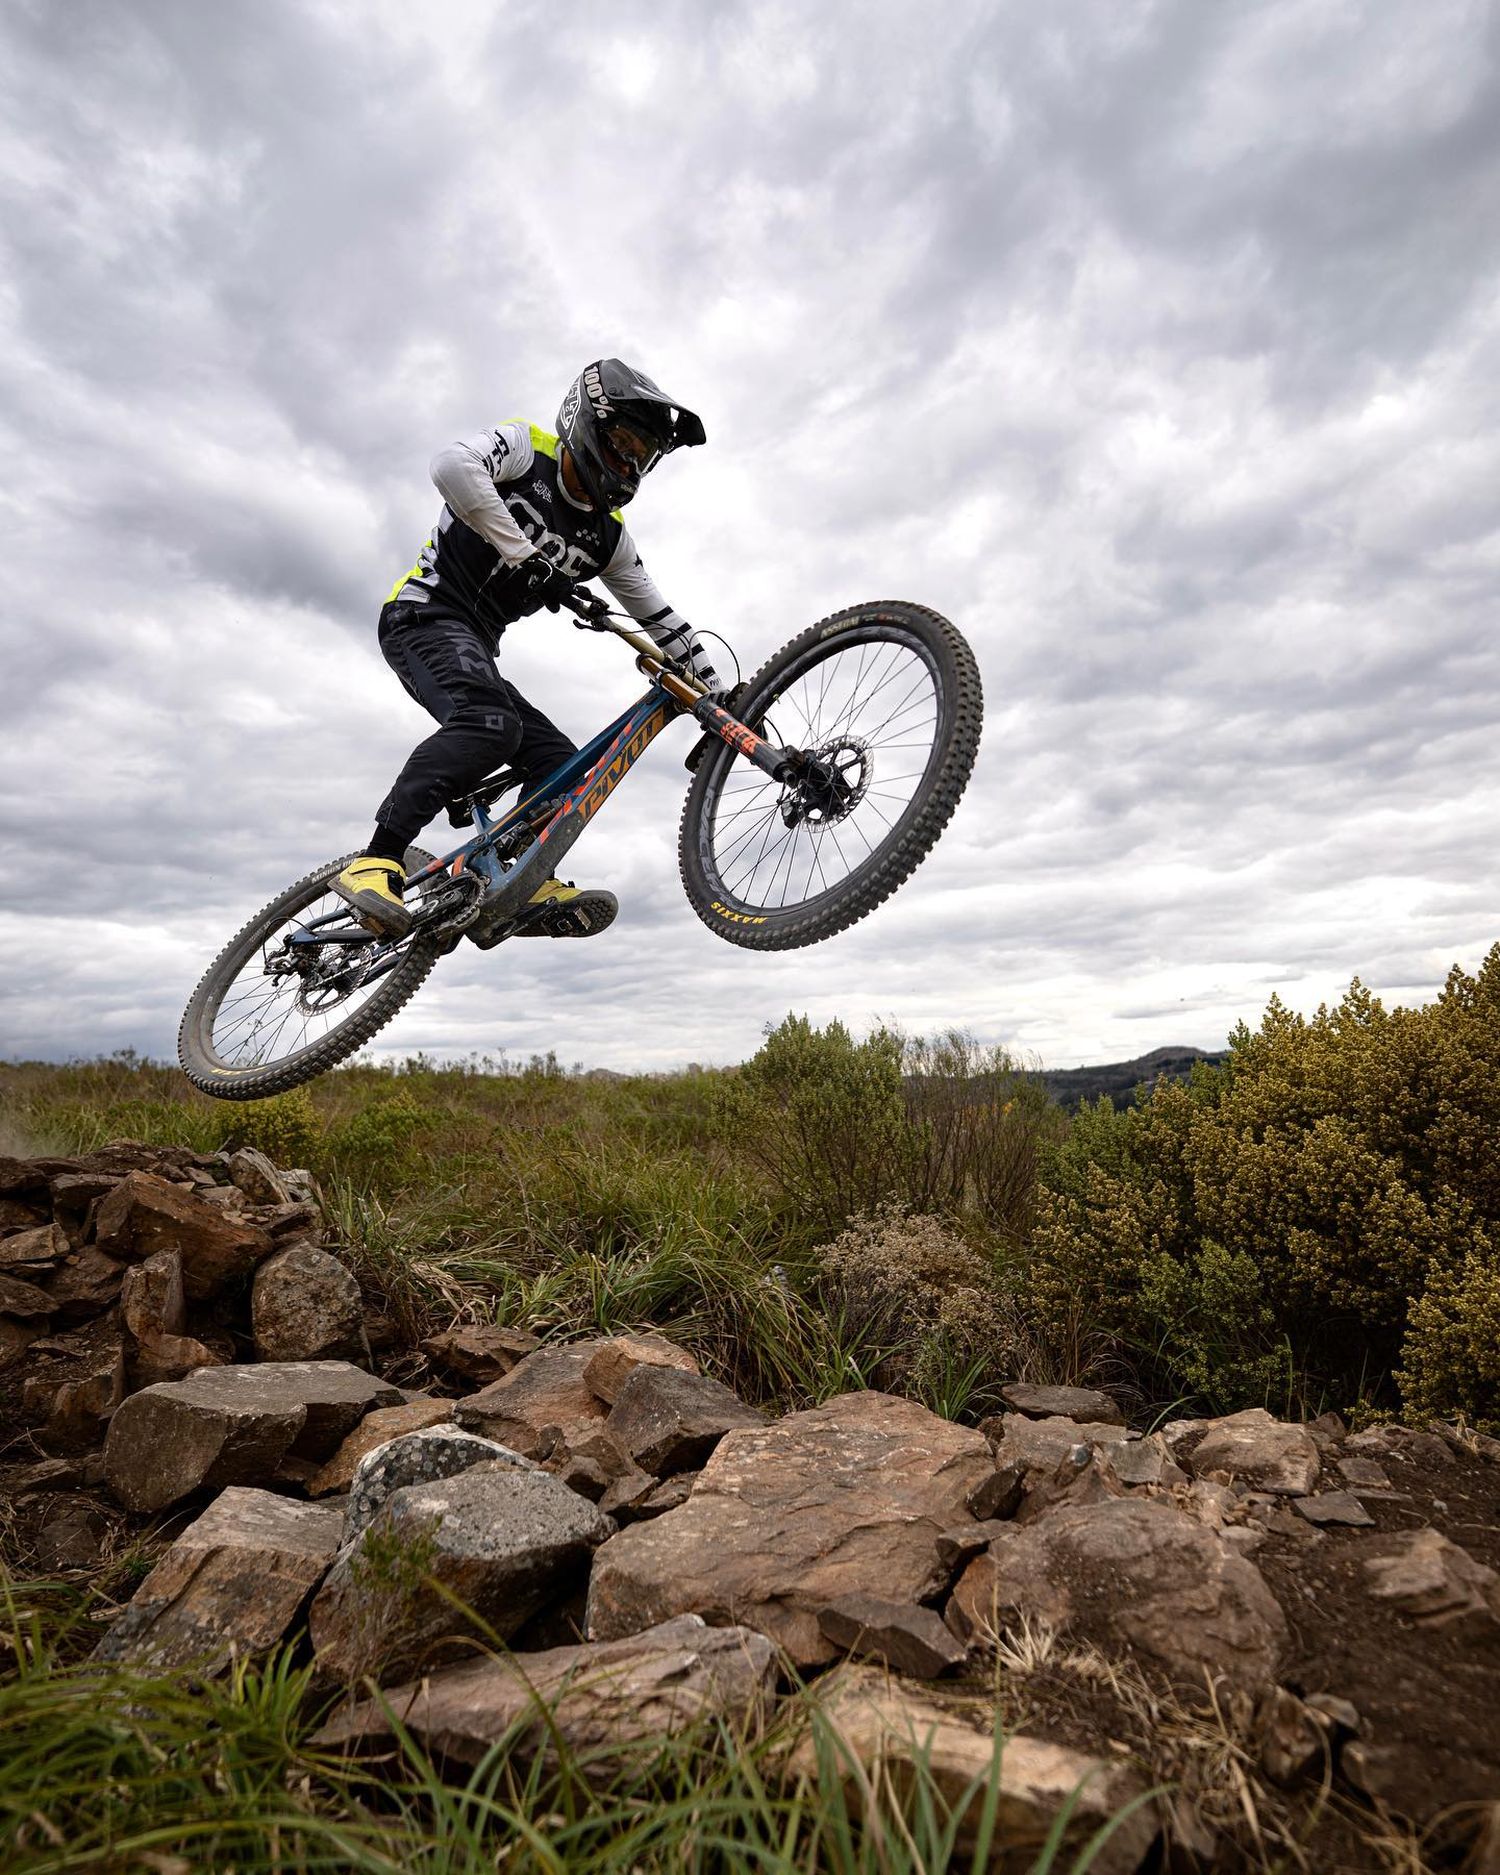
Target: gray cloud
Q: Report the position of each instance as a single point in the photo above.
(1155, 344)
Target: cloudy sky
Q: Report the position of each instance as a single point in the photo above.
(1155, 342)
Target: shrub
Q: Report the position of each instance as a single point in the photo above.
(1452, 1348)
(942, 1126)
(1284, 1223)
(822, 1114)
(375, 1145)
(924, 1310)
(286, 1128)
(976, 1130)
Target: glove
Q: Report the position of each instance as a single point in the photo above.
(545, 585)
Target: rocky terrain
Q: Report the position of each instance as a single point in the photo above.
(1223, 1632)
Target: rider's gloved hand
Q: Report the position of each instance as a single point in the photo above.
(545, 585)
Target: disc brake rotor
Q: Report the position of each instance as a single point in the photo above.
(835, 780)
(333, 978)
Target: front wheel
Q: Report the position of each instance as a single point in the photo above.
(299, 988)
(884, 705)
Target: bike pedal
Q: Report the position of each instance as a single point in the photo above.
(584, 916)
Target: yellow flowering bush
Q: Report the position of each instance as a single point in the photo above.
(1319, 1216)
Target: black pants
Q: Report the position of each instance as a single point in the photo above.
(486, 723)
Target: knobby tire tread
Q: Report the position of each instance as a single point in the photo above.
(895, 861)
(394, 992)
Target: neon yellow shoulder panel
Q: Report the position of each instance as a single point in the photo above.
(543, 441)
(414, 573)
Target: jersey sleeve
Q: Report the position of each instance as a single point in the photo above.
(467, 475)
(627, 578)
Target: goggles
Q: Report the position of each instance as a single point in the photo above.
(627, 451)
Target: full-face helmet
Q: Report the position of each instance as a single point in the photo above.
(617, 424)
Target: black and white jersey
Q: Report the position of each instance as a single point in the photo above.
(503, 501)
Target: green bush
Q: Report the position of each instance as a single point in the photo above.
(822, 1114)
(944, 1125)
(287, 1128)
(1452, 1349)
(1279, 1227)
(376, 1145)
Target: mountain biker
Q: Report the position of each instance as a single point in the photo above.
(525, 514)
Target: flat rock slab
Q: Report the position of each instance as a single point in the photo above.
(1133, 1575)
(669, 1420)
(375, 1430)
(305, 1306)
(1430, 1579)
(496, 1541)
(883, 1730)
(417, 1457)
(23, 1299)
(1143, 1462)
(621, 1355)
(911, 1639)
(231, 1585)
(1364, 1473)
(144, 1214)
(232, 1425)
(1269, 1454)
(599, 1698)
(851, 1497)
(35, 1249)
(545, 1391)
(1333, 1507)
(257, 1178)
(1085, 1404)
(83, 1283)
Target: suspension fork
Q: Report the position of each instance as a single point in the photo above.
(782, 765)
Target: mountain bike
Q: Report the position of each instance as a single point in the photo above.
(811, 802)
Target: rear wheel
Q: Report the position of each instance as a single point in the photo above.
(884, 704)
(301, 987)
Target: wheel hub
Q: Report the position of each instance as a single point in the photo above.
(834, 780)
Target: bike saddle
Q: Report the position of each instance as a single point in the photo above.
(460, 808)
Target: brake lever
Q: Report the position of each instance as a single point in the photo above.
(589, 611)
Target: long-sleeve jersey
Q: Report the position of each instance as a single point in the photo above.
(504, 500)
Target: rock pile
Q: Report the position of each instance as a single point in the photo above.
(139, 1265)
(655, 1552)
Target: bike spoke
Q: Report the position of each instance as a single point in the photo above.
(870, 714)
(266, 1015)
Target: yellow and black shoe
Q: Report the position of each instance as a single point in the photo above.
(373, 887)
(560, 909)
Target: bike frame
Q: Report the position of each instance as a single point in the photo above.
(585, 782)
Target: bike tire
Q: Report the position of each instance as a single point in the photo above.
(959, 719)
(201, 1062)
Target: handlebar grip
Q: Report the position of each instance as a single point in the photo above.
(588, 608)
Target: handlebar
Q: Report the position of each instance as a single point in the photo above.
(590, 611)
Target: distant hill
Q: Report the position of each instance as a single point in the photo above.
(1070, 1087)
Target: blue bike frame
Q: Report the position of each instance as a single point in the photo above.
(585, 782)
